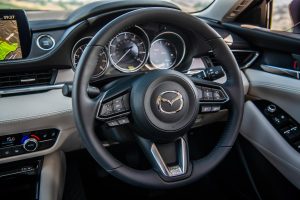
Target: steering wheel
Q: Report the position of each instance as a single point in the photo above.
(161, 106)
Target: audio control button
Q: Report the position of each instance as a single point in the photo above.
(30, 144)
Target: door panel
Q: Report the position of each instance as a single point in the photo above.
(283, 91)
(257, 129)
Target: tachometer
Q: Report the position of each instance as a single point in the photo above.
(102, 59)
(163, 54)
(167, 50)
(128, 52)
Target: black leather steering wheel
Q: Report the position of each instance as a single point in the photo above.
(161, 105)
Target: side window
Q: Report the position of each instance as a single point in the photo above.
(286, 16)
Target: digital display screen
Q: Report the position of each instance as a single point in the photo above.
(10, 45)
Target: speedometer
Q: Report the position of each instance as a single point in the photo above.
(128, 52)
(102, 59)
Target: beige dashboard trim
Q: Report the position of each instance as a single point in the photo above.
(39, 111)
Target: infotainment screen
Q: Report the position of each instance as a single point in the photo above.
(15, 37)
(10, 45)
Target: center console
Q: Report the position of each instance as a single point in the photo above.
(21, 179)
(22, 143)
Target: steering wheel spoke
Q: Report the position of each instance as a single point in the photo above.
(169, 160)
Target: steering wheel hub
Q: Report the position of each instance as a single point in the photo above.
(170, 102)
(166, 102)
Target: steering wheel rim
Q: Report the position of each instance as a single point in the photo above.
(84, 107)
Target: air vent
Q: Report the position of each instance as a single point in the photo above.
(26, 79)
(237, 10)
(244, 58)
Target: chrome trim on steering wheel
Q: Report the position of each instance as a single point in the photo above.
(176, 170)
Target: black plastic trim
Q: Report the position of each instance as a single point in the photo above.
(264, 38)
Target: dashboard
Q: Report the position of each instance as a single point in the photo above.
(136, 49)
(51, 52)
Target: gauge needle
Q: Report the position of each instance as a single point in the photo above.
(124, 55)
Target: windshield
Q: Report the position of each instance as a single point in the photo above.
(69, 5)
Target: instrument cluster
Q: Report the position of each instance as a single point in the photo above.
(134, 50)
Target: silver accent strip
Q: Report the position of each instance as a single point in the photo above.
(30, 89)
(248, 64)
(281, 71)
(172, 171)
(16, 173)
(51, 38)
(28, 80)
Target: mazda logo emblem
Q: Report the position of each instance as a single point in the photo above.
(170, 102)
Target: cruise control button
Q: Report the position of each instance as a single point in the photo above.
(123, 121)
(107, 109)
(206, 109)
(207, 94)
(118, 105)
(218, 95)
(112, 123)
(125, 99)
